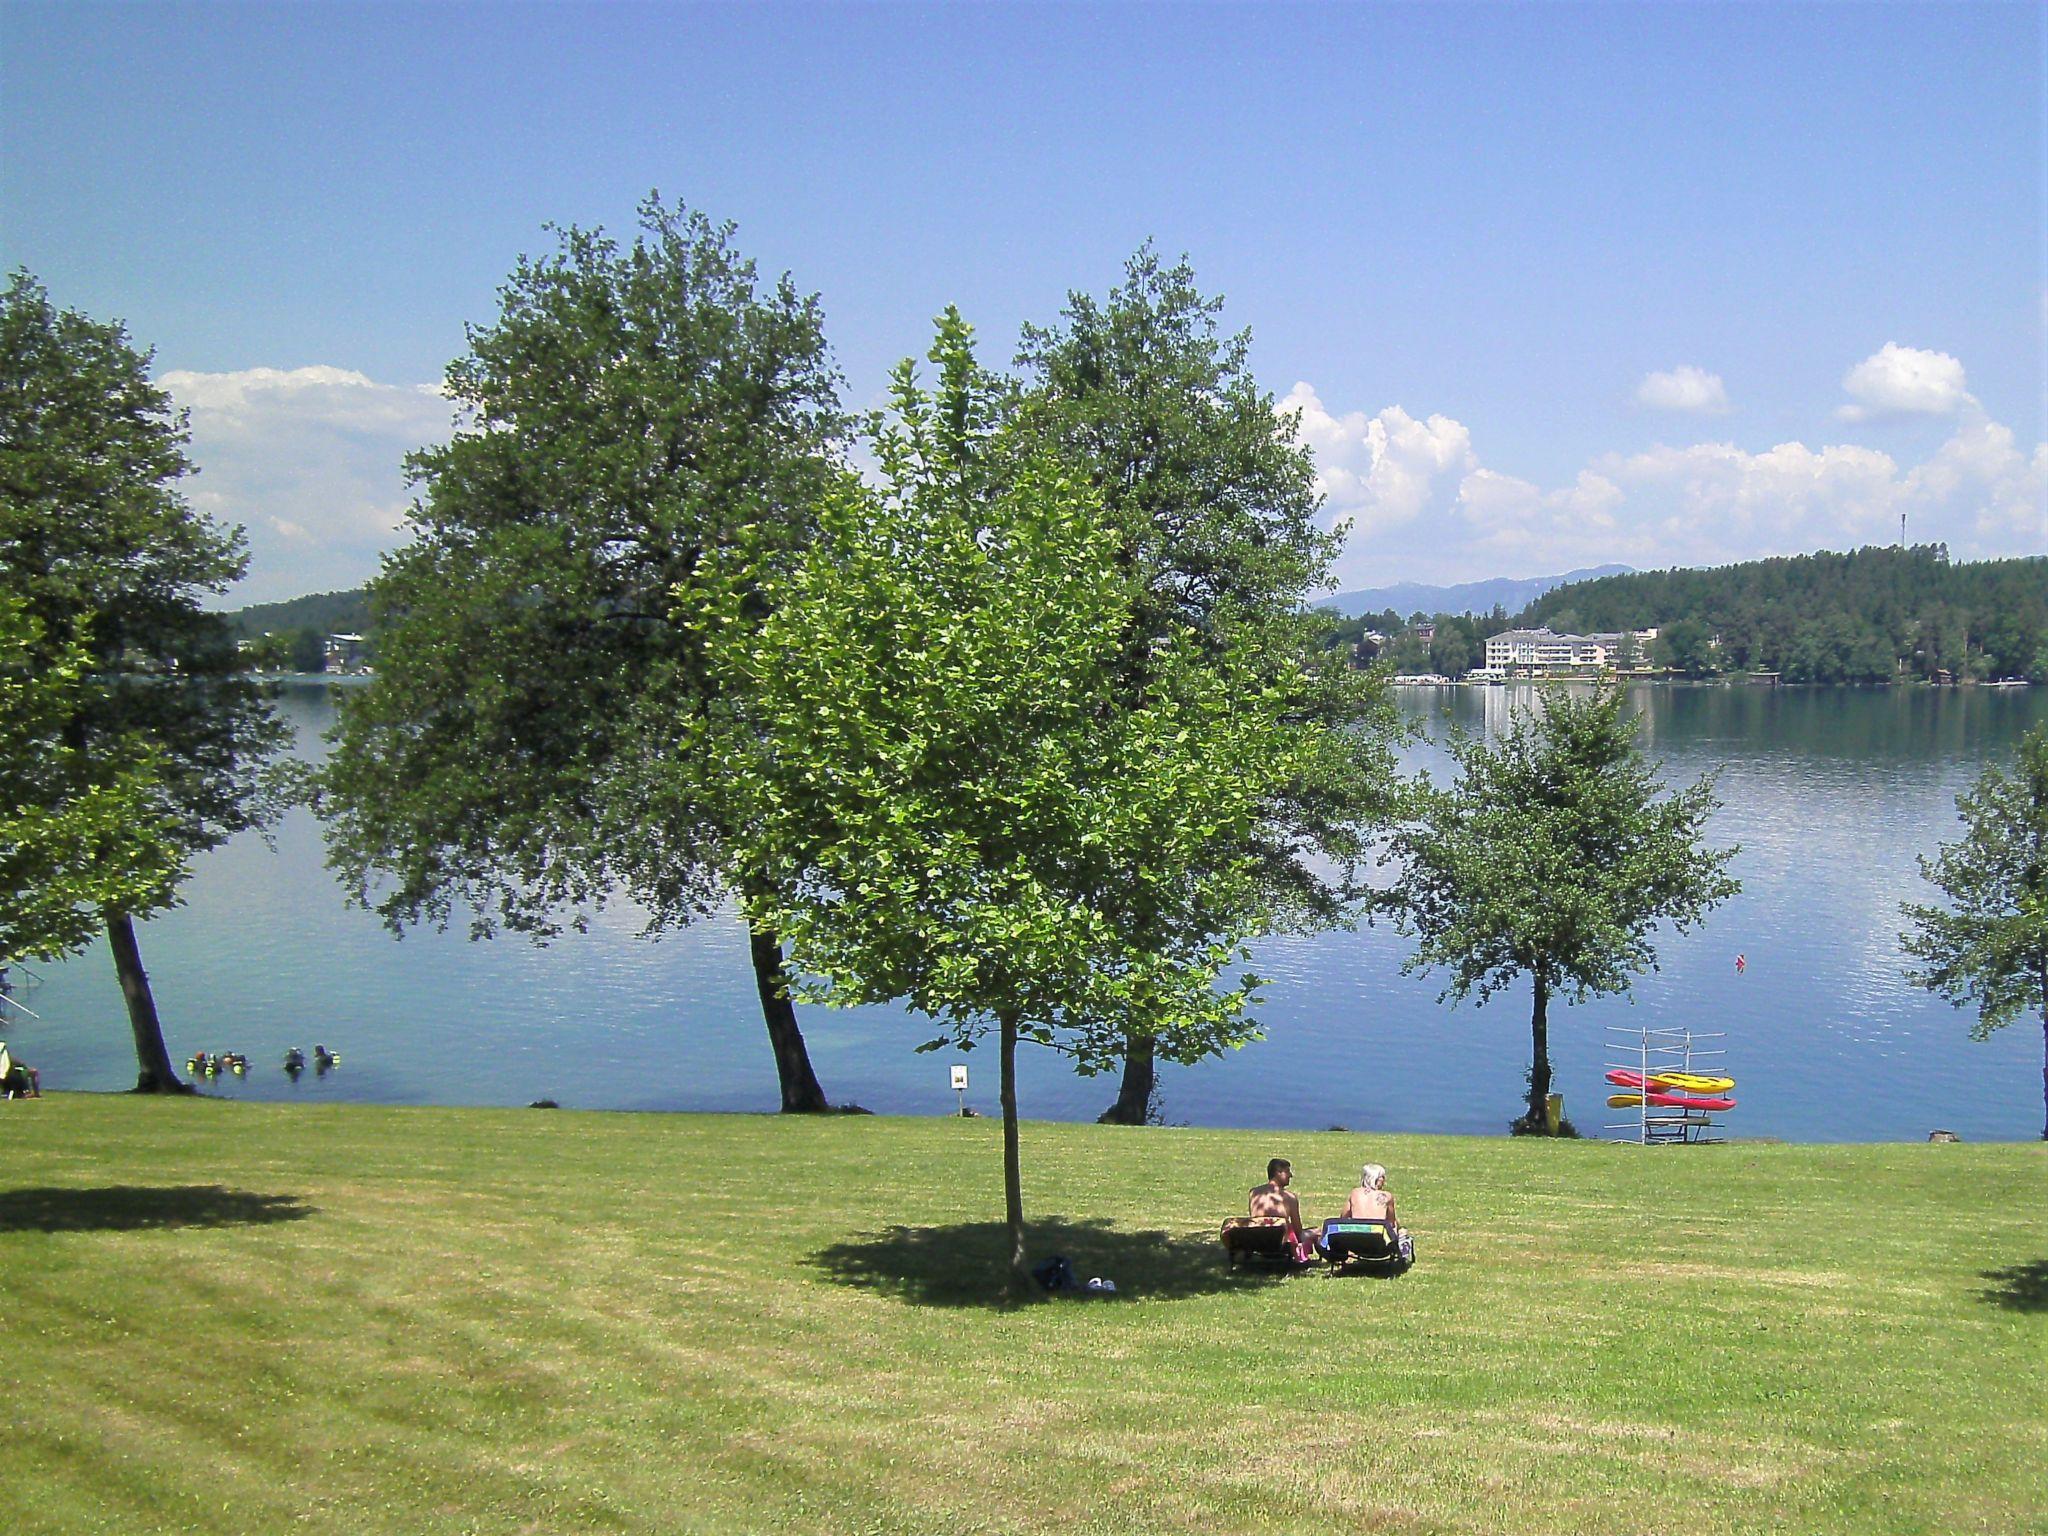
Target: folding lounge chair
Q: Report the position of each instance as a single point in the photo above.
(1366, 1244)
(1258, 1240)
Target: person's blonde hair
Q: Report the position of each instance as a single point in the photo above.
(1373, 1176)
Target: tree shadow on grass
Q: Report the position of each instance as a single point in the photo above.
(2019, 1287)
(143, 1208)
(966, 1264)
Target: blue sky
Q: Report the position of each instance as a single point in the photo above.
(1553, 284)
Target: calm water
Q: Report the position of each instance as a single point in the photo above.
(1831, 793)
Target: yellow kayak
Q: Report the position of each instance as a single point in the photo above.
(1668, 1101)
(1690, 1082)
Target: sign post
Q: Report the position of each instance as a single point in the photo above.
(960, 1085)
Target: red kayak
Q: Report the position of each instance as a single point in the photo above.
(1673, 1082)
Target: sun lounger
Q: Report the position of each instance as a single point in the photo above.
(1367, 1244)
(1259, 1240)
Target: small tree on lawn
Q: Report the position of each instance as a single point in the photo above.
(1555, 855)
(110, 563)
(941, 787)
(1989, 945)
(629, 409)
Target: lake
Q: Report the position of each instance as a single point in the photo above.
(1830, 792)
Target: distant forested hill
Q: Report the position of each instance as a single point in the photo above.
(299, 629)
(1867, 616)
(328, 613)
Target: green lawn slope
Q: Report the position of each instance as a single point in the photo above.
(226, 1317)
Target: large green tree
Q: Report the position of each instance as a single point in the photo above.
(1556, 855)
(1989, 945)
(1210, 498)
(942, 784)
(630, 410)
(78, 833)
(110, 564)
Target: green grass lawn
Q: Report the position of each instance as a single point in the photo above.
(228, 1317)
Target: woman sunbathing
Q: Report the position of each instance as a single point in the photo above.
(1370, 1201)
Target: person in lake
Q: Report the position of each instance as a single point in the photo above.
(1369, 1201)
(1272, 1201)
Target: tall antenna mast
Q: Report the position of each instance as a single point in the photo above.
(1902, 530)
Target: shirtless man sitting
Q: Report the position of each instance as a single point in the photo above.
(1273, 1201)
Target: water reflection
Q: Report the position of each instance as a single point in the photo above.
(1830, 792)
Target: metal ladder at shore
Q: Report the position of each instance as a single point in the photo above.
(9, 1003)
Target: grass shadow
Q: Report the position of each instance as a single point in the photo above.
(143, 1208)
(965, 1265)
(2018, 1287)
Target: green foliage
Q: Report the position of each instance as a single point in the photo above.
(1555, 850)
(1214, 509)
(108, 564)
(1405, 656)
(1989, 945)
(943, 789)
(1861, 617)
(1459, 646)
(79, 832)
(306, 649)
(1686, 646)
(291, 637)
(628, 412)
(1214, 513)
(320, 614)
(288, 650)
(1557, 855)
(265, 653)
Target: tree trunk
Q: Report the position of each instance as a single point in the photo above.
(2044, 1050)
(1134, 1099)
(801, 1094)
(1539, 1056)
(153, 1072)
(1013, 1183)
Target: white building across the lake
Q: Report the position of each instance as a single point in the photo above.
(1543, 650)
(345, 653)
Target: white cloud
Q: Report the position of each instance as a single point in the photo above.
(1705, 503)
(1904, 381)
(1494, 500)
(1982, 465)
(1684, 388)
(1379, 471)
(1491, 499)
(307, 461)
(1826, 492)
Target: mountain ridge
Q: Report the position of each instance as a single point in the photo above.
(1509, 592)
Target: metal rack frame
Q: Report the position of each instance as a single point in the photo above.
(1649, 1052)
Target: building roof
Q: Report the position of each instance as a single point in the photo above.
(1551, 637)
